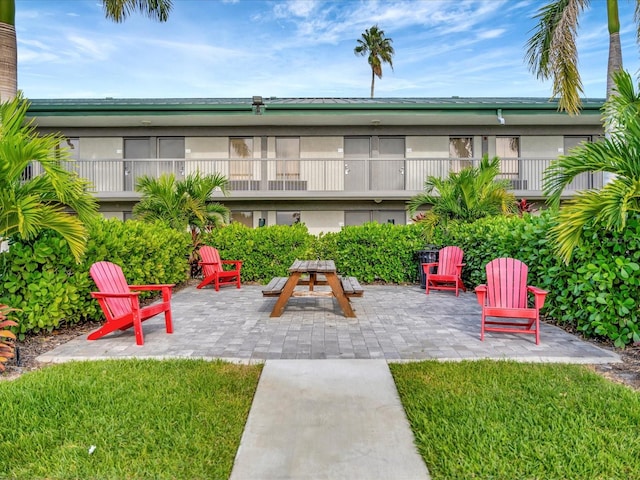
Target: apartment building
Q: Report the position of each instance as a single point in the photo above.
(327, 162)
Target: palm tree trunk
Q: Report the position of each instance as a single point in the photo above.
(615, 49)
(614, 63)
(8, 51)
(373, 79)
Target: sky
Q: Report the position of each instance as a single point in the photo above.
(299, 48)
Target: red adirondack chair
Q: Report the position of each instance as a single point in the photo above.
(448, 274)
(213, 269)
(119, 302)
(505, 296)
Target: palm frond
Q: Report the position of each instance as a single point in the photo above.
(119, 10)
(472, 193)
(608, 207)
(552, 53)
(31, 205)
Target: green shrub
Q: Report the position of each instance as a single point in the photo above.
(266, 252)
(42, 280)
(147, 252)
(598, 292)
(374, 252)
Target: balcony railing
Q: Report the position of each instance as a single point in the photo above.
(314, 175)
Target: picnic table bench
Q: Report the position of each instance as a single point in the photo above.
(311, 273)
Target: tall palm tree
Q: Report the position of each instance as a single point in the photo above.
(56, 199)
(468, 195)
(618, 154)
(116, 10)
(552, 53)
(378, 47)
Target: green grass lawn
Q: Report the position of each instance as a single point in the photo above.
(505, 420)
(183, 419)
(177, 419)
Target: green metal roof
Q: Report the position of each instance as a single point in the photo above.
(191, 106)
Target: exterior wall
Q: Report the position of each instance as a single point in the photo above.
(324, 148)
(107, 174)
(416, 172)
(550, 146)
(322, 166)
(112, 214)
(101, 148)
(322, 221)
(207, 148)
(544, 148)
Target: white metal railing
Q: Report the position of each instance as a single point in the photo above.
(329, 175)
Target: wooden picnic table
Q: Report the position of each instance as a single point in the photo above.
(310, 273)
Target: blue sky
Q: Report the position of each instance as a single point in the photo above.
(303, 48)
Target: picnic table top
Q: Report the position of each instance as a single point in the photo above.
(306, 266)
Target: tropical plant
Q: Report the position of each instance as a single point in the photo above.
(379, 50)
(183, 204)
(552, 52)
(116, 10)
(7, 337)
(472, 193)
(619, 154)
(56, 199)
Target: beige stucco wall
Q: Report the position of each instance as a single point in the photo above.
(207, 148)
(541, 149)
(108, 214)
(541, 146)
(107, 173)
(435, 149)
(322, 221)
(100, 148)
(324, 174)
(321, 147)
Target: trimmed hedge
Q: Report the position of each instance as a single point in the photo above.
(42, 280)
(266, 252)
(598, 292)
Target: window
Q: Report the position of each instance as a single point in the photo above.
(287, 218)
(153, 157)
(460, 148)
(360, 217)
(240, 155)
(245, 218)
(171, 147)
(508, 150)
(391, 147)
(357, 147)
(72, 146)
(288, 158)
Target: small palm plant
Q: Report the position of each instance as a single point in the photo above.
(7, 337)
(471, 194)
(183, 204)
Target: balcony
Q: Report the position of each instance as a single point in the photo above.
(313, 178)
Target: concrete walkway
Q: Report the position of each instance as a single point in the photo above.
(328, 419)
(320, 411)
